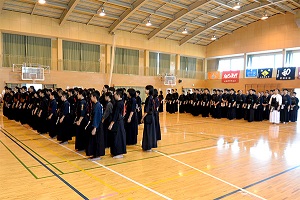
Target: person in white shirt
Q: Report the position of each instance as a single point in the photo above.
(275, 103)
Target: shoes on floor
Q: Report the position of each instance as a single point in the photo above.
(118, 156)
(94, 158)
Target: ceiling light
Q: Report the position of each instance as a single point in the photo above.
(237, 5)
(184, 31)
(102, 13)
(213, 37)
(42, 1)
(148, 23)
(265, 16)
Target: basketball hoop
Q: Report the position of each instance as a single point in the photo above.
(33, 77)
(170, 80)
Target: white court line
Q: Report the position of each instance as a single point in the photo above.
(203, 172)
(113, 171)
(197, 150)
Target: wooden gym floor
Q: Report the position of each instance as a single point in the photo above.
(198, 158)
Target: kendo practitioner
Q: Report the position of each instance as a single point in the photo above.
(294, 107)
(275, 105)
(205, 103)
(23, 105)
(212, 102)
(64, 121)
(250, 100)
(175, 100)
(81, 121)
(285, 107)
(94, 130)
(182, 102)
(231, 112)
(258, 108)
(15, 106)
(195, 103)
(240, 100)
(169, 102)
(107, 118)
(139, 107)
(102, 98)
(161, 101)
(118, 146)
(130, 118)
(149, 134)
(224, 104)
(52, 116)
(200, 103)
(217, 105)
(156, 114)
(72, 99)
(265, 106)
(35, 110)
(246, 111)
(30, 108)
(42, 113)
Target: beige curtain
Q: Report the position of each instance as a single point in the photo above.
(188, 67)
(153, 64)
(126, 61)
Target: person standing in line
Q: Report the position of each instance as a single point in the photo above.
(81, 121)
(95, 147)
(118, 146)
(294, 107)
(130, 119)
(265, 106)
(149, 133)
(274, 106)
(156, 114)
(139, 107)
(52, 116)
(258, 108)
(64, 121)
(107, 118)
(161, 101)
(285, 107)
(231, 112)
(250, 100)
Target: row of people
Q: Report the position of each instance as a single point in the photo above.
(230, 104)
(97, 121)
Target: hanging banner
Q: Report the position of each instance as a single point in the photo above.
(214, 75)
(251, 73)
(265, 73)
(286, 73)
(230, 76)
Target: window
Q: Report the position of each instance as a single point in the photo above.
(81, 57)
(292, 59)
(159, 63)
(126, 61)
(231, 64)
(261, 61)
(19, 49)
(188, 67)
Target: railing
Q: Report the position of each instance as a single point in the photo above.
(9, 60)
(190, 74)
(81, 66)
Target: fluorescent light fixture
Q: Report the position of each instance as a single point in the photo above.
(148, 23)
(184, 31)
(42, 1)
(102, 13)
(237, 5)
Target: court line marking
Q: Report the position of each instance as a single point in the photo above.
(115, 172)
(258, 182)
(27, 168)
(50, 170)
(197, 150)
(214, 177)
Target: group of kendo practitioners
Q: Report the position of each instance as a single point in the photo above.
(98, 121)
(270, 105)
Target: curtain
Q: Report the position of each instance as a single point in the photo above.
(71, 56)
(288, 57)
(90, 57)
(164, 63)
(188, 67)
(18, 49)
(126, 61)
(153, 64)
(249, 61)
(81, 56)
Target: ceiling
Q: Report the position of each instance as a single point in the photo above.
(201, 18)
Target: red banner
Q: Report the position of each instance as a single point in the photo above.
(230, 76)
(299, 72)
